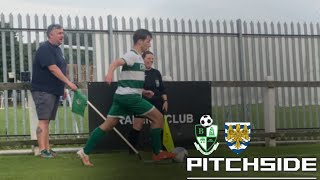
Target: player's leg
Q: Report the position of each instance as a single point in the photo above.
(134, 134)
(137, 125)
(144, 108)
(158, 104)
(96, 135)
(156, 127)
(115, 113)
(156, 132)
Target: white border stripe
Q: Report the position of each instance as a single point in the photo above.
(112, 116)
(132, 75)
(127, 90)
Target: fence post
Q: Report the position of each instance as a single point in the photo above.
(110, 39)
(269, 113)
(241, 67)
(33, 122)
(33, 117)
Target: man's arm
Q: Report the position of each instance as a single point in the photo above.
(162, 90)
(55, 70)
(147, 93)
(112, 67)
(164, 97)
(165, 103)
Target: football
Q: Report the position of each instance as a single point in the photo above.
(206, 121)
(182, 154)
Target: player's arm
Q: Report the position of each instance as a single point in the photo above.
(113, 66)
(55, 70)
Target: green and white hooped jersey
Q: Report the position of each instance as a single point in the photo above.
(131, 78)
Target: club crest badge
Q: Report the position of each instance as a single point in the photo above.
(206, 134)
(237, 135)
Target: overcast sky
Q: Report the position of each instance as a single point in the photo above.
(264, 10)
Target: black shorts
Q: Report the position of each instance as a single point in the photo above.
(46, 105)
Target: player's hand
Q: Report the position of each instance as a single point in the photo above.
(72, 86)
(108, 78)
(147, 93)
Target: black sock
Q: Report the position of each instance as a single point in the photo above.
(162, 146)
(134, 137)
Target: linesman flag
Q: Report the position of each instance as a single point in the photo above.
(79, 103)
(167, 138)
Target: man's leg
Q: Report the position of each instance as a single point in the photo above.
(42, 136)
(46, 107)
(52, 117)
(47, 139)
(95, 137)
(135, 132)
(41, 133)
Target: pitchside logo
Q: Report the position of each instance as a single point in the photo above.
(237, 135)
(206, 134)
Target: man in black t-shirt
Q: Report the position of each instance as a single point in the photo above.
(48, 84)
(153, 82)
